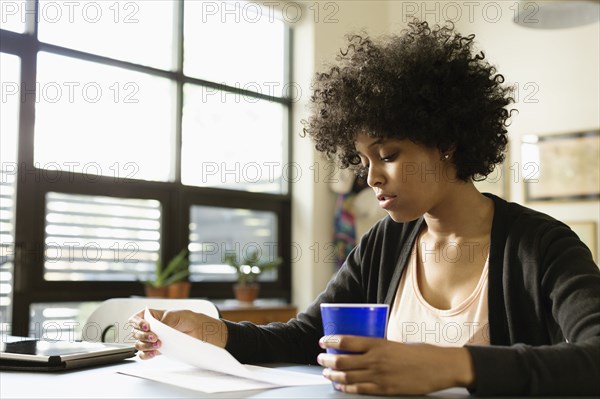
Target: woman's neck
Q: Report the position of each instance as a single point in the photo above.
(463, 213)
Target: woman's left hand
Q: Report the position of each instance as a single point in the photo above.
(383, 367)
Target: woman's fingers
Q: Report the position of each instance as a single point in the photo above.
(348, 377)
(137, 320)
(362, 388)
(350, 343)
(147, 355)
(147, 346)
(147, 343)
(354, 381)
(149, 337)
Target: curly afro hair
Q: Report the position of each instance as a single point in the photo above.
(425, 85)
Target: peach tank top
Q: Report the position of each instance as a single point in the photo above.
(413, 319)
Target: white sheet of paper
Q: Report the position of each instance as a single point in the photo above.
(199, 380)
(216, 369)
(193, 351)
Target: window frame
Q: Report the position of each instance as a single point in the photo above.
(176, 199)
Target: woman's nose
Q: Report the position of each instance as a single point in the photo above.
(374, 176)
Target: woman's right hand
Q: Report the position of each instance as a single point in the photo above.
(197, 325)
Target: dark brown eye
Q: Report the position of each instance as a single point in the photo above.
(389, 158)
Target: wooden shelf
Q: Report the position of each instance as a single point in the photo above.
(260, 312)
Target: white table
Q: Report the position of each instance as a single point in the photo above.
(106, 382)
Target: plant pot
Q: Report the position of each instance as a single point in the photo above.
(156, 292)
(246, 293)
(180, 289)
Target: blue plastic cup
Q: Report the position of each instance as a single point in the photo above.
(365, 319)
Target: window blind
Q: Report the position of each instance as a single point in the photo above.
(7, 191)
(95, 238)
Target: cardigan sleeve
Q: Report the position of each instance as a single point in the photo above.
(559, 272)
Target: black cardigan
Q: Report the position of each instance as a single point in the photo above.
(543, 298)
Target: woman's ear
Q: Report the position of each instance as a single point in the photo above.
(447, 154)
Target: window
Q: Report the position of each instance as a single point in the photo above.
(171, 132)
(91, 118)
(255, 43)
(100, 238)
(14, 15)
(134, 31)
(255, 163)
(215, 232)
(9, 109)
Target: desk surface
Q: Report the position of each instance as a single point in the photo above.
(105, 382)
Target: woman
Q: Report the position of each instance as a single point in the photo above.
(484, 294)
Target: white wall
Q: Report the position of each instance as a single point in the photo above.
(562, 65)
(561, 68)
(318, 39)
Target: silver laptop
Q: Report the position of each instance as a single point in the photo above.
(18, 353)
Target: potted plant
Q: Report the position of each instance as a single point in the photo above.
(170, 281)
(246, 289)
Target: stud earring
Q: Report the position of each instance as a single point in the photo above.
(445, 157)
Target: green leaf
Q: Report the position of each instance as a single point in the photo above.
(176, 270)
(181, 275)
(178, 263)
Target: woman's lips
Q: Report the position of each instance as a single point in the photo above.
(385, 201)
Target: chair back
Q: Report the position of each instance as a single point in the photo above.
(110, 321)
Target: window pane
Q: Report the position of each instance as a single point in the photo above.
(135, 31)
(228, 143)
(13, 15)
(215, 232)
(101, 120)
(95, 238)
(62, 320)
(253, 39)
(9, 109)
